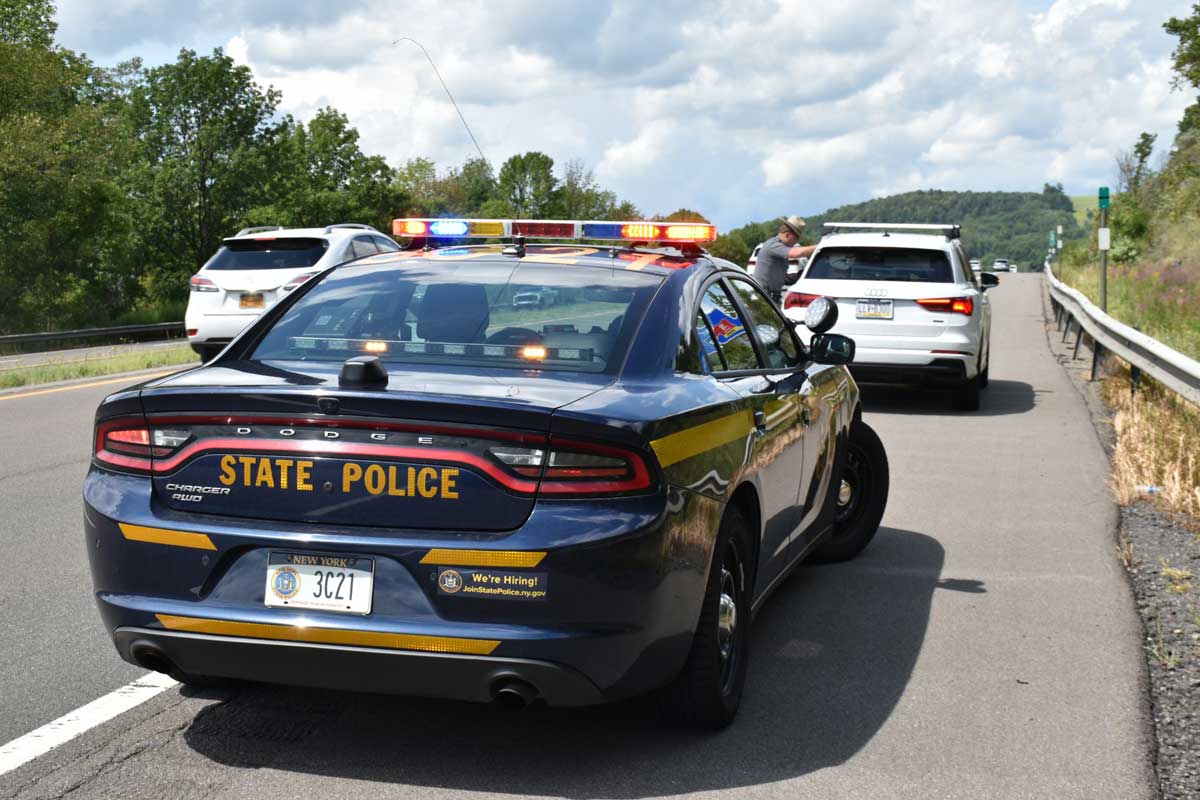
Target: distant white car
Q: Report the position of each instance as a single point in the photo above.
(975, 265)
(256, 267)
(1002, 265)
(909, 299)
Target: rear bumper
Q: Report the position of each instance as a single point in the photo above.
(625, 583)
(360, 669)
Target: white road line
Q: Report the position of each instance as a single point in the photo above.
(62, 730)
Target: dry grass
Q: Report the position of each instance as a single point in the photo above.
(1157, 444)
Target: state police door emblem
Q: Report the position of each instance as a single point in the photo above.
(286, 583)
(450, 581)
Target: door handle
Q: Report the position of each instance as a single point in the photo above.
(760, 422)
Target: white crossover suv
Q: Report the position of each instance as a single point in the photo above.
(256, 267)
(909, 299)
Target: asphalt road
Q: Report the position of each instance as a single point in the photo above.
(984, 646)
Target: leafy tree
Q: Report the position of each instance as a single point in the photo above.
(28, 23)
(204, 127)
(683, 215)
(580, 196)
(63, 216)
(1186, 56)
(528, 185)
(319, 175)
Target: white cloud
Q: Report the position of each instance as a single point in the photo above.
(742, 109)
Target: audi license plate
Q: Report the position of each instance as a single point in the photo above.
(874, 309)
(319, 581)
(254, 300)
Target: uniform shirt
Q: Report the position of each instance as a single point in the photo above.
(772, 265)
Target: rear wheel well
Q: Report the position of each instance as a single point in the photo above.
(745, 499)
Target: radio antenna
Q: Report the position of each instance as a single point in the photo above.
(452, 101)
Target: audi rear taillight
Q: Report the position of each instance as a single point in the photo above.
(798, 299)
(578, 468)
(128, 444)
(202, 284)
(948, 305)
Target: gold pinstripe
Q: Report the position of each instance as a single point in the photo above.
(140, 533)
(294, 633)
(682, 445)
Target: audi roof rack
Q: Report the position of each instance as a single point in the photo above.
(257, 229)
(358, 226)
(949, 231)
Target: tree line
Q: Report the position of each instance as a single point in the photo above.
(116, 184)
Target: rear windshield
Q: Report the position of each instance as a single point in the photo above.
(881, 264)
(467, 313)
(290, 253)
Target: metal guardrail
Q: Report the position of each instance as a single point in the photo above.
(1169, 367)
(92, 333)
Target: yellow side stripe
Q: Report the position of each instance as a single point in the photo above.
(693, 441)
(294, 633)
(451, 557)
(139, 533)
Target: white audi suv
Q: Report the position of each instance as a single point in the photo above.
(909, 299)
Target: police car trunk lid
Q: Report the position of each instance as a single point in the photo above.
(442, 452)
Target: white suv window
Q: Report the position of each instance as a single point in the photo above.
(881, 264)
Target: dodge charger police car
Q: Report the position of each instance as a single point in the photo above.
(399, 481)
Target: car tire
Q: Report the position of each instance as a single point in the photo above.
(966, 398)
(707, 692)
(866, 479)
(208, 353)
(983, 374)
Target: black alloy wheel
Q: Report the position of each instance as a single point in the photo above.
(708, 690)
(860, 496)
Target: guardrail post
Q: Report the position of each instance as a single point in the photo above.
(1078, 339)
(1096, 351)
(1067, 328)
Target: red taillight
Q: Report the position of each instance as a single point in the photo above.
(948, 305)
(798, 299)
(578, 468)
(200, 284)
(128, 444)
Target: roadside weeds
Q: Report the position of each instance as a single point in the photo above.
(98, 366)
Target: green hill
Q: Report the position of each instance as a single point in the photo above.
(1085, 207)
(1010, 225)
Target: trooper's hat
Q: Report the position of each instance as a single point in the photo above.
(794, 224)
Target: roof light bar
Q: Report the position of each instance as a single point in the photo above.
(635, 231)
(949, 231)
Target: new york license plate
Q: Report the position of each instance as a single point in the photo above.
(320, 581)
(874, 309)
(254, 300)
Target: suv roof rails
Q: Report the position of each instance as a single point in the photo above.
(257, 229)
(949, 231)
(355, 225)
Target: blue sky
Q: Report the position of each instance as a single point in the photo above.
(741, 110)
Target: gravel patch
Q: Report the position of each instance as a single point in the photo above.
(1164, 563)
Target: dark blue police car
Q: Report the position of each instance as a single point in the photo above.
(399, 480)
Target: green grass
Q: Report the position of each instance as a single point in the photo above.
(1159, 298)
(181, 356)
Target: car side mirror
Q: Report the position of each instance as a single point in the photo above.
(831, 348)
(822, 315)
(987, 280)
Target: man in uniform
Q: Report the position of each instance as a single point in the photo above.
(772, 265)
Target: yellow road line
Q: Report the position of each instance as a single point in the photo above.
(125, 379)
(698, 439)
(140, 533)
(450, 557)
(296, 633)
